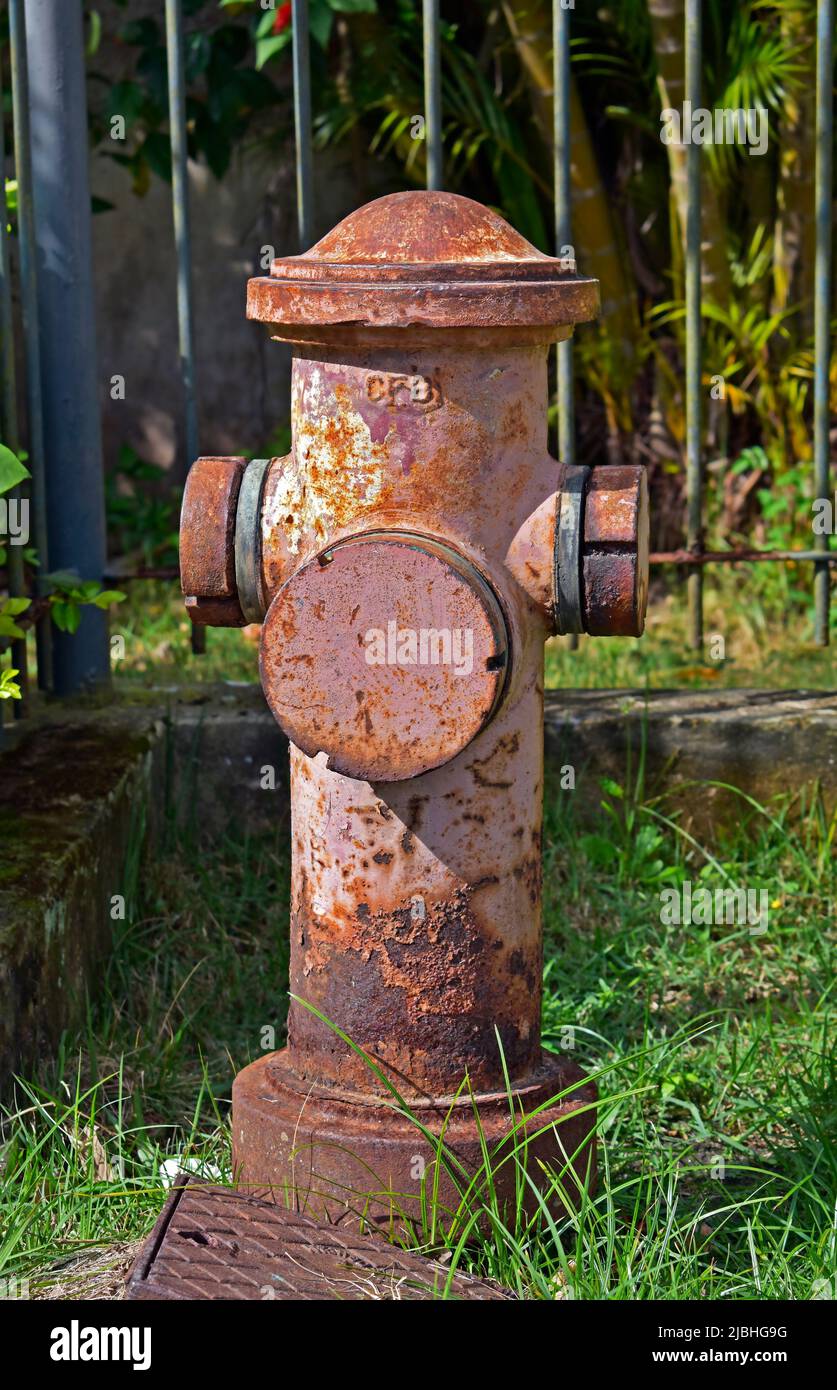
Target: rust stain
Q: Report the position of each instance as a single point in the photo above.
(418, 994)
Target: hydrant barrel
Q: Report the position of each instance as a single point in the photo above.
(409, 557)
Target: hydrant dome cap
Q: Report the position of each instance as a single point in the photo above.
(404, 230)
(428, 258)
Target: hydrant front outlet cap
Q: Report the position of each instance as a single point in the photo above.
(387, 652)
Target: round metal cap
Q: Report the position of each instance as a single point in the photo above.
(423, 258)
(387, 652)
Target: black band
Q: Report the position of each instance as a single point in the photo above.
(569, 531)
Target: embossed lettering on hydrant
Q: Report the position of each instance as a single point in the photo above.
(394, 389)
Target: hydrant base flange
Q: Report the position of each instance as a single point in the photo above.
(333, 1155)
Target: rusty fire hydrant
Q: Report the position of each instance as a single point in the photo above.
(408, 559)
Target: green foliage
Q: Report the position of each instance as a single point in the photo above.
(486, 126)
(94, 38)
(9, 688)
(142, 509)
(69, 594)
(12, 470)
(11, 608)
(767, 374)
(224, 95)
(10, 201)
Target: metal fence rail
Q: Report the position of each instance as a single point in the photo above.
(182, 242)
(693, 557)
(29, 313)
(822, 308)
(9, 432)
(694, 401)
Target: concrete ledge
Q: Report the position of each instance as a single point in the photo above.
(763, 742)
(76, 793)
(225, 750)
(87, 787)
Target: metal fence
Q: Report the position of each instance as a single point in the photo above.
(61, 194)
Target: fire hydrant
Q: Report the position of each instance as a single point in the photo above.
(408, 559)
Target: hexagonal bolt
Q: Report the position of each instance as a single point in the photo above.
(614, 552)
(207, 541)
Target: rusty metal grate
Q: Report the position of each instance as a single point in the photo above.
(215, 1243)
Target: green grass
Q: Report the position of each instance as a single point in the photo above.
(763, 614)
(711, 1048)
(768, 640)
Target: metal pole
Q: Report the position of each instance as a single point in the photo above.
(8, 422)
(302, 123)
(31, 327)
(432, 93)
(694, 461)
(563, 215)
(182, 230)
(75, 497)
(182, 242)
(563, 227)
(822, 305)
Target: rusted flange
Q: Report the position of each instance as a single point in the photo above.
(600, 572)
(614, 564)
(431, 259)
(335, 1154)
(207, 541)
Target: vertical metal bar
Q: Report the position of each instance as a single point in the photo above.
(182, 229)
(694, 460)
(302, 123)
(31, 332)
(182, 241)
(563, 215)
(563, 227)
(822, 305)
(72, 433)
(432, 93)
(8, 420)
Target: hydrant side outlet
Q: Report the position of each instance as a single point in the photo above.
(411, 555)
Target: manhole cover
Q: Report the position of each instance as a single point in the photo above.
(215, 1243)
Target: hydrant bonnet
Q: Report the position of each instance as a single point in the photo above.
(433, 260)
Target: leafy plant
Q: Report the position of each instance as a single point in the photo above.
(12, 472)
(12, 469)
(224, 95)
(9, 688)
(69, 594)
(11, 608)
(142, 509)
